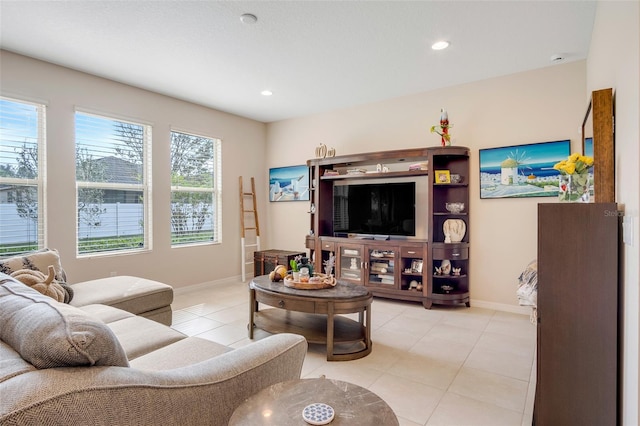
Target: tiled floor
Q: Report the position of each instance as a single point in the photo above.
(444, 366)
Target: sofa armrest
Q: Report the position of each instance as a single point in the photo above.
(204, 393)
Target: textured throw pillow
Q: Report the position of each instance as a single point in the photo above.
(50, 334)
(39, 261)
(36, 261)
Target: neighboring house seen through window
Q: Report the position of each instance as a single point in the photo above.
(113, 182)
(22, 176)
(195, 189)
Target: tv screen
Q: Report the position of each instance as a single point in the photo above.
(375, 208)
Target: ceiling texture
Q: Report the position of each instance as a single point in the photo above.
(315, 56)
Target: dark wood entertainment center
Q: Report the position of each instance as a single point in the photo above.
(398, 267)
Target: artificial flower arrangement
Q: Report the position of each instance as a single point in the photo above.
(574, 164)
(574, 179)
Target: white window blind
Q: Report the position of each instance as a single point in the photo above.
(195, 189)
(113, 183)
(22, 176)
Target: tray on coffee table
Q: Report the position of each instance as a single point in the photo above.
(325, 281)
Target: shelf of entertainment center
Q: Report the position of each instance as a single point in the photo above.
(397, 174)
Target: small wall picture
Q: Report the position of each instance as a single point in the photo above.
(442, 176)
(289, 183)
(416, 266)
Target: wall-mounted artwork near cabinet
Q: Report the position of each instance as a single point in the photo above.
(289, 183)
(522, 170)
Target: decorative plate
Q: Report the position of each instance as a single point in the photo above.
(318, 413)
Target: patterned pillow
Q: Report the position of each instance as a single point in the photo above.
(50, 334)
(36, 261)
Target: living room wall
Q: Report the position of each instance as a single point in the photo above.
(537, 106)
(62, 90)
(614, 61)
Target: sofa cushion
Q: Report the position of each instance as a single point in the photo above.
(139, 336)
(106, 314)
(36, 261)
(183, 353)
(50, 334)
(132, 294)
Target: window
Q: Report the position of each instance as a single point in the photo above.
(113, 183)
(195, 189)
(22, 176)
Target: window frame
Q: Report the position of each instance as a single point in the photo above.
(145, 187)
(215, 190)
(40, 182)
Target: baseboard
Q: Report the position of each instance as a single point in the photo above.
(523, 310)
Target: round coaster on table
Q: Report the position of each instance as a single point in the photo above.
(318, 413)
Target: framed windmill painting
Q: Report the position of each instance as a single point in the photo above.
(521, 171)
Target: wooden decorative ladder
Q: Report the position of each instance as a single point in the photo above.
(250, 212)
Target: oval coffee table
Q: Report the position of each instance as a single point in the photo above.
(315, 314)
(282, 404)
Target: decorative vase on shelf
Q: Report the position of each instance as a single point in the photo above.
(574, 188)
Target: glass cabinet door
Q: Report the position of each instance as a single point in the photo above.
(381, 267)
(350, 262)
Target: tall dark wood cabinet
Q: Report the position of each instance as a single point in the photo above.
(449, 288)
(578, 342)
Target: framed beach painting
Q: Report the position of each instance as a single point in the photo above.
(521, 171)
(289, 183)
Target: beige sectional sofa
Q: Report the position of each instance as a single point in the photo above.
(107, 363)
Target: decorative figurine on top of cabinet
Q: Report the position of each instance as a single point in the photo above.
(445, 138)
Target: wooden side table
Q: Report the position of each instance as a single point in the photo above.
(315, 314)
(282, 404)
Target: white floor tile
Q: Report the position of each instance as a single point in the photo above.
(457, 410)
(408, 399)
(491, 388)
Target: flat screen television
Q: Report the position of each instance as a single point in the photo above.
(375, 209)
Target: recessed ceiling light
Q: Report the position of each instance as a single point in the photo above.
(266, 93)
(248, 18)
(439, 45)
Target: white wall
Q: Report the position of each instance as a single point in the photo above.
(614, 61)
(62, 90)
(536, 106)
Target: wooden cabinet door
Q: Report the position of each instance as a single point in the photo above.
(577, 314)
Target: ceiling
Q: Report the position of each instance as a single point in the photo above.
(314, 56)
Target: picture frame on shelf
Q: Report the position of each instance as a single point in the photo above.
(416, 266)
(442, 176)
(522, 171)
(289, 183)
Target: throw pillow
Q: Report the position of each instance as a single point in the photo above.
(50, 334)
(37, 261)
